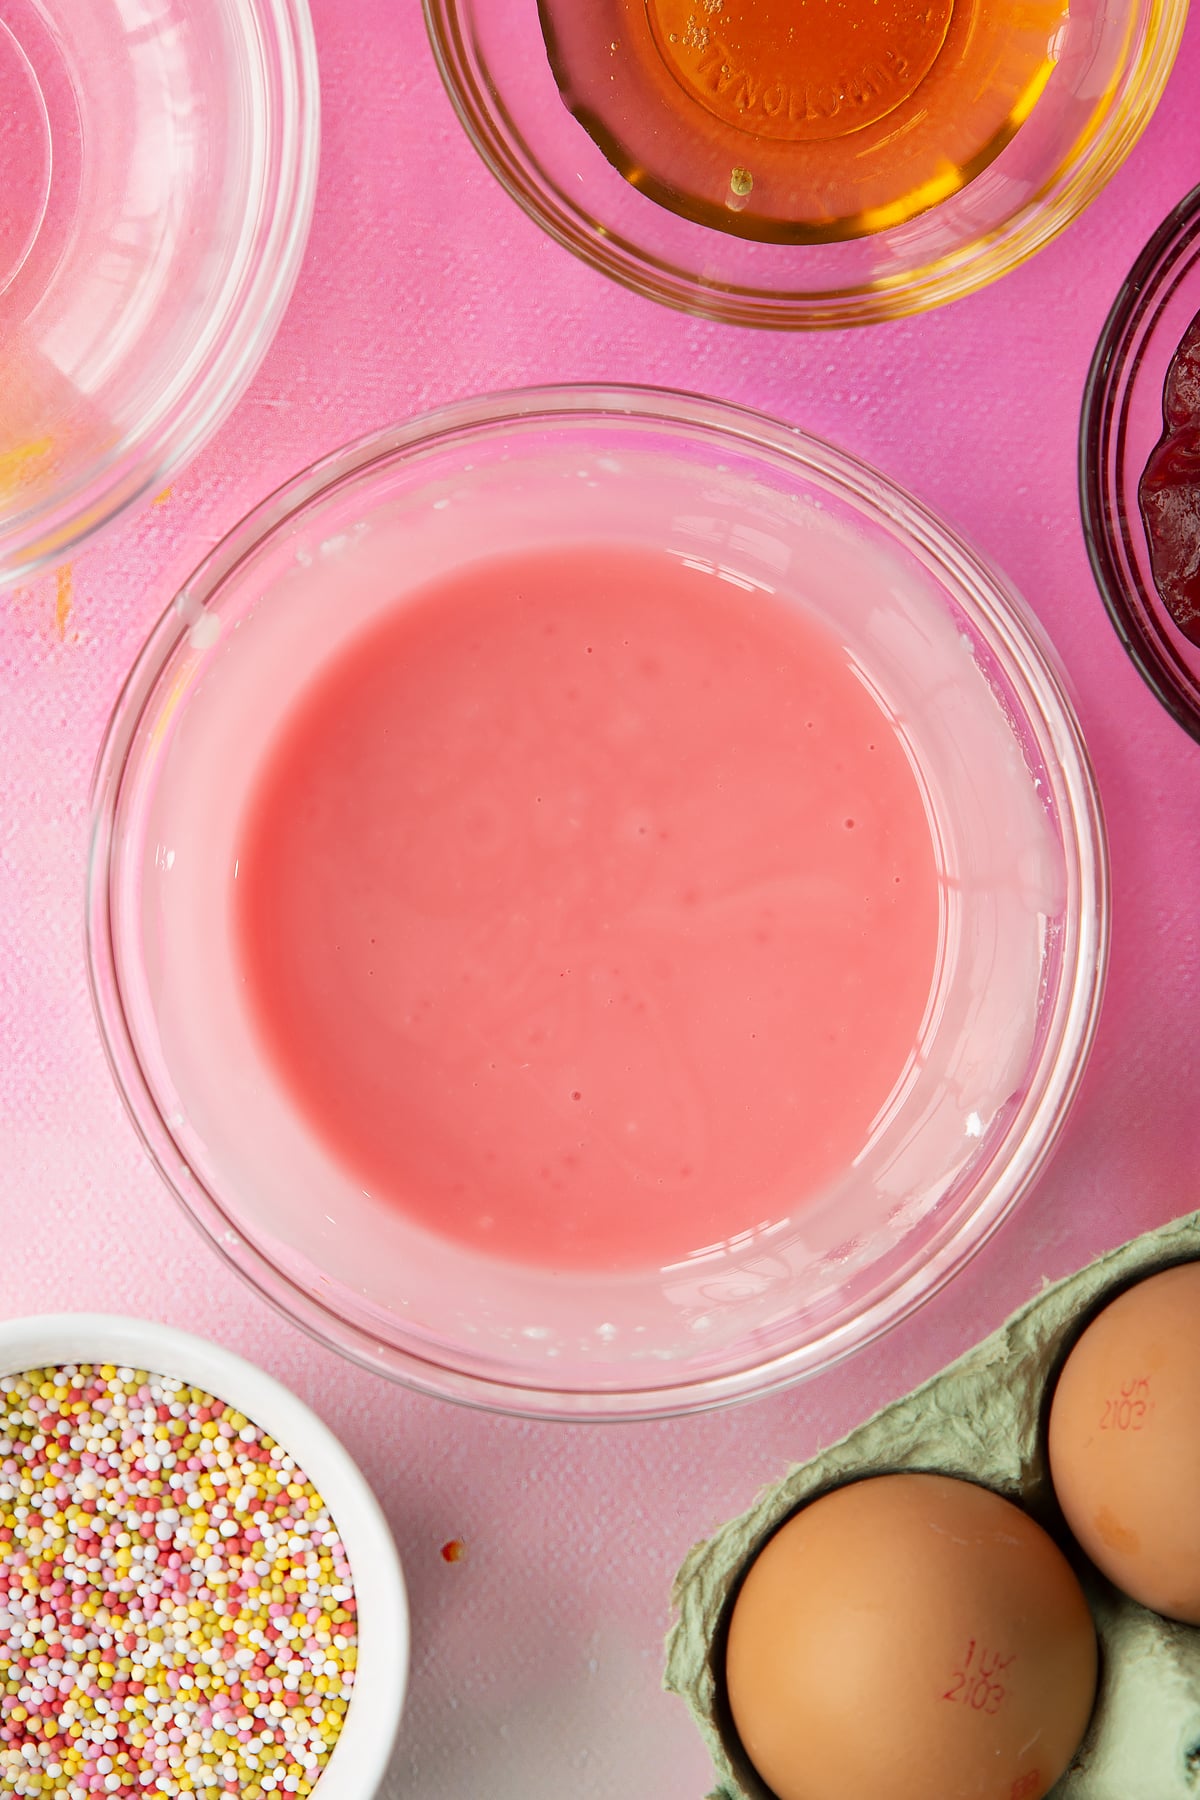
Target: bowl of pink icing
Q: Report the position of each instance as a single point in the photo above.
(598, 902)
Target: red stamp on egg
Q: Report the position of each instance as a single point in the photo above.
(1130, 1409)
(977, 1682)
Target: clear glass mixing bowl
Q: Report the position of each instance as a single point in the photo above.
(159, 162)
(955, 659)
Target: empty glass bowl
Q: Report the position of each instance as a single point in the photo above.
(1106, 62)
(159, 161)
(1122, 422)
(978, 1092)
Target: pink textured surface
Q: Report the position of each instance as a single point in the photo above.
(537, 1657)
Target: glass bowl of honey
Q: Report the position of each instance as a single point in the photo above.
(1139, 464)
(598, 902)
(828, 165)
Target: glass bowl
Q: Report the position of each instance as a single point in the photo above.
(970, 693)
(1110, 62)
(1122, 422)
(160, 165)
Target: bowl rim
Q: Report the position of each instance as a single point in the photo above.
(364, 1745)
(1148, 640)
(489, 125)
(1082, 984)
(141, 464)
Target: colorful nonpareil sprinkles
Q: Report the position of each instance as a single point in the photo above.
(176, 1610)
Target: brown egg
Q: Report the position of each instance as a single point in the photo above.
(910, 1637)
(1125, 1442)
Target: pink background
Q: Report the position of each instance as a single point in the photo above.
(537, 1658)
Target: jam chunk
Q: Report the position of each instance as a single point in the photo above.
(1169, 490)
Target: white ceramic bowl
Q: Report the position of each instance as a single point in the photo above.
(363, 1749)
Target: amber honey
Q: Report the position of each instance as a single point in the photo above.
(800, 121)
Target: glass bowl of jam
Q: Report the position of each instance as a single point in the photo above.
(1139, 467)
(788, 167)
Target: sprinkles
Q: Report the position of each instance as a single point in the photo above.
(176, 1609)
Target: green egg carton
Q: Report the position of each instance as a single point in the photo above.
(982, 1419)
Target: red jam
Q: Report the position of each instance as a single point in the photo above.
(1169, 491)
